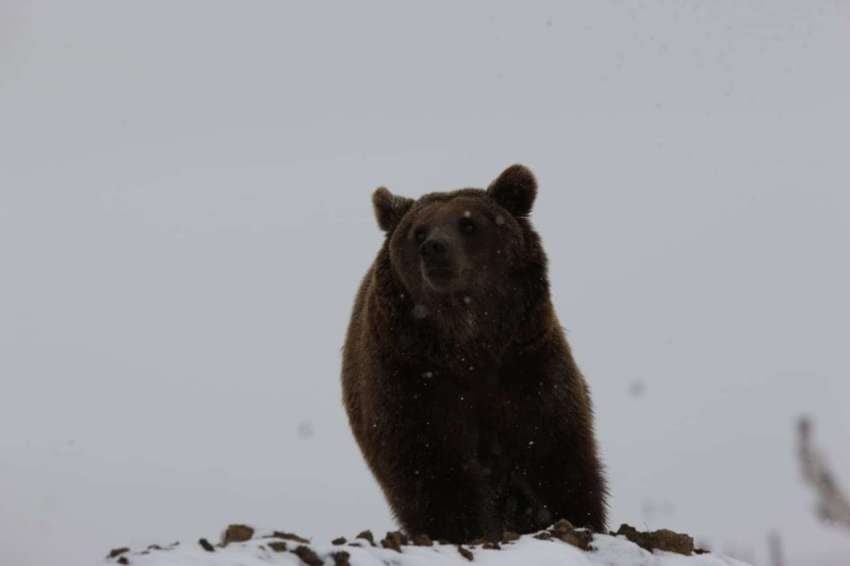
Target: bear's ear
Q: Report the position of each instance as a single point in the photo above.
(514, 190)
(389, 208)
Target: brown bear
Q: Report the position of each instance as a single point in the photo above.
(459, 384)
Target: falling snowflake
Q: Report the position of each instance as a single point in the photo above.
(305, 430)
(637, 388)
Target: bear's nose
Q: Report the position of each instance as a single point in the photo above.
(433, 247)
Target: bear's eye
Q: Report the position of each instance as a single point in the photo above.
(466, 225)
(419, 235)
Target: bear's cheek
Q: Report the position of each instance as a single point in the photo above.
(492, 257)
(405, 264)
(506, 255)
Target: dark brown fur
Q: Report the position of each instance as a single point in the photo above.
(461, 390)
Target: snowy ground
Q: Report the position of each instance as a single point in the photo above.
(268, 547)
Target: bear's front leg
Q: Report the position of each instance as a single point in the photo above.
(430, 471)
(558, 471)
(446, 495)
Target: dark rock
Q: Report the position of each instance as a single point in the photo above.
(465, 553)
(491, 545)
(338, 541)
(368, 536)
(562, 526)
(236, 533)
(422, 540)
(123, 560)
(278, 546)
(671, 541)
(564, 531)
(117, 552)
(580, 538)
(205, 544)
(289, 536)
(663, 539)
(393, 540)
(340, 558)
(308, 556)
(509, 536)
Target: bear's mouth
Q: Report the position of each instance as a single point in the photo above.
(439, 276)
(440, 273)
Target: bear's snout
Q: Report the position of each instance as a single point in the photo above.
(434, 248)
(438, 262)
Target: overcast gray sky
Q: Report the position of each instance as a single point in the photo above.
(185, 216)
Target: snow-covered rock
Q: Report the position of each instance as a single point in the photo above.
(244, 546)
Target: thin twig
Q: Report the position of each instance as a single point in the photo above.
(833, 505)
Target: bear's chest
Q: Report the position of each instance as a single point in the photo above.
(476, 406)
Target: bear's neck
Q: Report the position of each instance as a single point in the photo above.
(463, 333)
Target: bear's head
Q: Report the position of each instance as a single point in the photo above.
(464, 248)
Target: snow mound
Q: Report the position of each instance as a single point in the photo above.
(561, 545)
